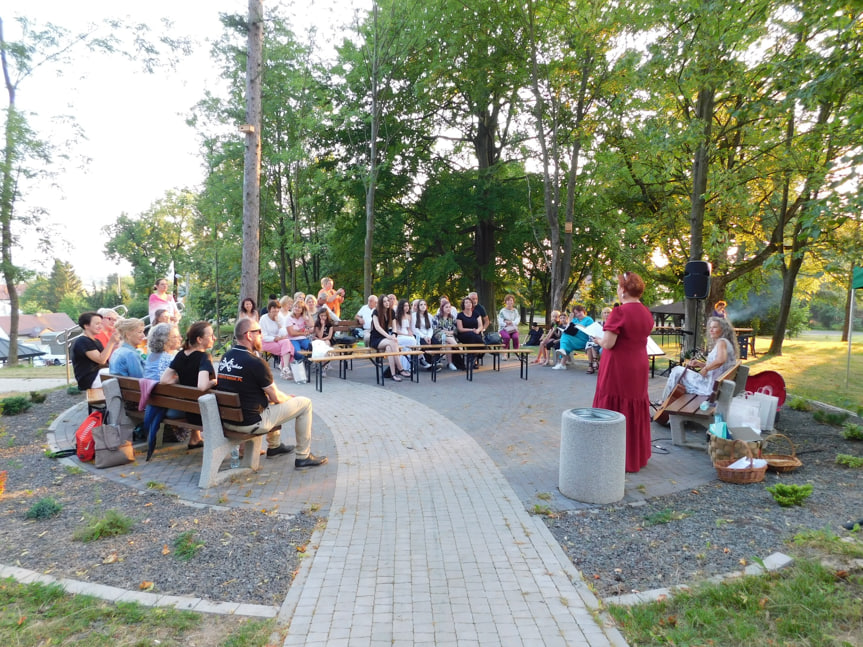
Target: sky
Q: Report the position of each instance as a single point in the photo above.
(135, 139)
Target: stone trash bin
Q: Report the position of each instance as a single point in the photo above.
(592, 455)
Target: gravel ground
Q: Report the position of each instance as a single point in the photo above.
(246, 556)
(252, 557)
(718, 528)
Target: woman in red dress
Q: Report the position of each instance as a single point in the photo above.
(622, 381)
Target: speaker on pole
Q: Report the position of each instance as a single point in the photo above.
(696, 280)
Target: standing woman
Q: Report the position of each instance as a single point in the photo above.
(248, 310)
(382, 339)
(192, 366)
(162, 299)
(623, 371)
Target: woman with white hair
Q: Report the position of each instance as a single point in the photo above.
(699, 377)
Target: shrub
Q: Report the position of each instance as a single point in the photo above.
(112, 524)
(849, 461)
(186, 546)
(788, 495)
(799, 404)
(15, 405)
(850, 431)
(830, 418)
(44, 509)
(37, 397)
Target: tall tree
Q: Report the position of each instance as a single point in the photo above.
(252, 161)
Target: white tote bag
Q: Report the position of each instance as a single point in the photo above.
(744, 413)
(298, 370)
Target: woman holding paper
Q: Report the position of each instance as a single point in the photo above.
(622, 381)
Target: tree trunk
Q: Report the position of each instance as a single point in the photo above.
(704, 113)
(371, 186)
(789, 278)
(7, 207)
(252, 162)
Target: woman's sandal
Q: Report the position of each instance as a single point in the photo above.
(396, 378)
(405, 373)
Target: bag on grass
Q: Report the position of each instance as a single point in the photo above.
(84, 437)
(113, 445)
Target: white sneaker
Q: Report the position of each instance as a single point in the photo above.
(558, 367)
(452, 367)
(423, 362)
(286, 373)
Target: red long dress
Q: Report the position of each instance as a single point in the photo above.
(622, 380)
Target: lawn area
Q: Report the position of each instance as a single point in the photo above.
(814, 367)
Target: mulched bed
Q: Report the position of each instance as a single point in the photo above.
(718, 528)
(247, 556)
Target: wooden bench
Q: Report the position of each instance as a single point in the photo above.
(688, 407)
(122, 395)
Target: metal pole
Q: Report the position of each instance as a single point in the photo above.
(850, 329)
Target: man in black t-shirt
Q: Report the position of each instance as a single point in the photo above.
(265, 407)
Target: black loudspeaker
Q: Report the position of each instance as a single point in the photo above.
(696, 280)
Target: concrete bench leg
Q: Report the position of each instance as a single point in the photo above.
(217, 447)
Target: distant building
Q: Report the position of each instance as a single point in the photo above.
(5, 307)
(32, 326)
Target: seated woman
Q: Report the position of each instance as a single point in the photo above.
(423, 328)
(109, 321)
(445, 329)
(192, 366)
(126, 360)
(298, 328)
(550, 341)
(382, 338)
(324, 330)
(163, 343)
(468, 324)
(248, 310)
(699, 377)
(508, 319)
(286, 304)
(404, 330)
(593, 349)
(275, 340)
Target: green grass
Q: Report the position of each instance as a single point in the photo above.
(111, 524)
(814, 368)
(805, 604)
(186, 546)
(664, 516)
(32, 615)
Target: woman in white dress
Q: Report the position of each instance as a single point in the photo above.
(699, 377)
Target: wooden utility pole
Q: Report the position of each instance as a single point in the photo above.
(252, 160)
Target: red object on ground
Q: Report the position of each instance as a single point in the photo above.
(769, 382)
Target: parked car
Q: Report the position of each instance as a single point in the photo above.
(50, 360)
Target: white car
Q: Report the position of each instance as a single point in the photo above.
(50, 360)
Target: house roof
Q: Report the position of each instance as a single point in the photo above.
(24, 350)
(35, 325)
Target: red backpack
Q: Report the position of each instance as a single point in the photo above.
(84, 446)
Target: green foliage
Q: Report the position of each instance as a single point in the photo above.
(73, 390)
(799, 404)
(111, 524)
(14, 405)
(850, 431)
(186, 546)
(664, 516)
(44, 508)
(848, 460)
(835, 419)
(789, 494)
(37, 397)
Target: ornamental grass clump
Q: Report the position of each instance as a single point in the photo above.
(850, 431)
(44, 509)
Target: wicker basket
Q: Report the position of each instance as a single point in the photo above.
(748, 475)
(720, 448)
(781, 462)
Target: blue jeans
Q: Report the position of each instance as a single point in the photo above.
(301, 344)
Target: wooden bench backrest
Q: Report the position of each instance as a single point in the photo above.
(181, 398)
(347, 325)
